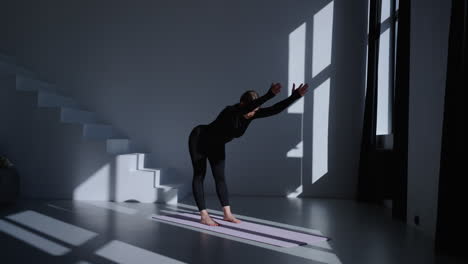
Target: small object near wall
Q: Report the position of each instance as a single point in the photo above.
(9, 182)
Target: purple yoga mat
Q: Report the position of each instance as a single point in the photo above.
(264, 229)
(258, 232)
(228, 231)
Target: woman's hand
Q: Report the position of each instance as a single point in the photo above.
(301, 89)
(275, 88)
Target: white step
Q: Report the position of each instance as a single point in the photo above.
(167, 195)
(141, 161)
(116, 182)
(183, 189)
(27, 83)
(98, 131)
(164, 175)
(144, 195)
(49, 99)
(71, 115)
(136, 165)
(118, 146)
(167, 176)
(140, 165)
(139, 185)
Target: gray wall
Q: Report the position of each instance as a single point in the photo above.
(429, 43)
(346, 105)
(156, 69)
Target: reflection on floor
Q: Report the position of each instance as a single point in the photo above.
(92, 232)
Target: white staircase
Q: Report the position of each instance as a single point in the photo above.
(122, 174)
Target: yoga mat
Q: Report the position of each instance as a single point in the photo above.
(248, 230)
(225, 230)
(265, 229)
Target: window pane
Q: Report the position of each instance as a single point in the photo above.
(365, 78)
(385, 10)
(383, 114)
(396, 42)
(367, 49)
(368, 11)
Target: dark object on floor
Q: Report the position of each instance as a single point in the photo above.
(5, 163)
(9, 185)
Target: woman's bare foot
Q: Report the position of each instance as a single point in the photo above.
(206, 219)
(231, 218)
(228, 215)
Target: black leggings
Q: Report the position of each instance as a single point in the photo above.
(201, 148)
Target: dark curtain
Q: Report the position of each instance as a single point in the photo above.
(366, 182)
(401, 114)
(452, 219)
(383, 172)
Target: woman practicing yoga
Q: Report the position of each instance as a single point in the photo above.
(208, 141)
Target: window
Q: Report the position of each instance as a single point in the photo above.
(384, 66)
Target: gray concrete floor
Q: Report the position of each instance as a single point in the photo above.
(59, 231)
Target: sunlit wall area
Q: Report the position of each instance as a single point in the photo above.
(322, 39)
(320, 131)
(296, 64)
(334, 113)
(321, 59)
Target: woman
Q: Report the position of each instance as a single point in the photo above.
(208, 142)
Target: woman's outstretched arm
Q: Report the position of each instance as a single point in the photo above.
(248, 107)
(281, 105)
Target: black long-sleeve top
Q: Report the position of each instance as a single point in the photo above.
(231, 123)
